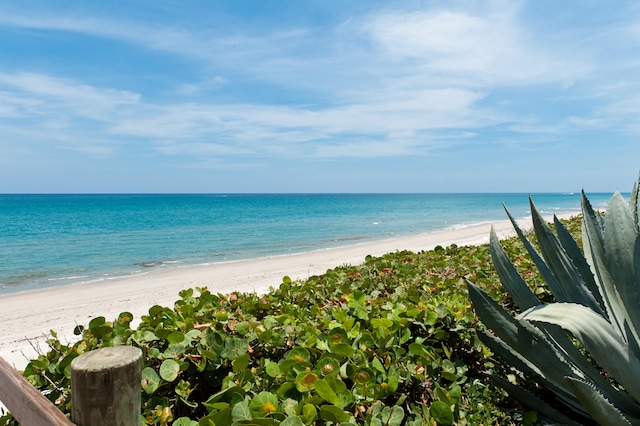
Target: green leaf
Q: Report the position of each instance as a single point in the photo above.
(175, 337)
(392, 416)
(328, 366)
(272, 368)
(599, 338)
(342, 349)
(299, 354)
(363, 376)
(305, 381)
(334, 414)
(509, 276)
(309, 413)
(234, 347)
(377, 365)
(225, 398)
(571, 284)
(324, 390)
(594, 249)
(292, 421)
(150, 380)
(577, 257)
(184, 421)
(620, 241)
(241, 412)
(263, 404)
(169, 370)
(241, 362)
(97, 322)
(441, 413)
(542, 266)
(448, 370)
(520, 394)
(522, 337)
(602, 410)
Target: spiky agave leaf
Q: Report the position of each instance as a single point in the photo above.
(577, 257)
(607, 347)
(620, 240)
(524, 297)
(523, 338)
(602, 291)
(523, 365)
(532, 401)
(509, 276)
(606, 256)
(545, 353)
(545, 272)
(601, 409)
(634, 202)
(561, 265)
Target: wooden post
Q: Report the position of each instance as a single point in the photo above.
(25, 402)
(105, 387)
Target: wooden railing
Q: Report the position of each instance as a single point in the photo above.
(105, 391)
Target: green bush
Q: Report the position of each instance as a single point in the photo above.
(388, 342)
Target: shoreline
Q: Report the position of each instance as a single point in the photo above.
(28, 316)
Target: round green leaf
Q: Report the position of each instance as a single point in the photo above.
(234, 347)
(272, 368)
(263, 404)
(241, 412)
(328, 367)
(184, 421)
(97, 322)
(292, 421)
(309, 413)
(342, 349)
(125, 317)
(299, 354)
(305, 381)
(150, 380)
(337, 336)
(363, 376)
(441, 413)
(366, 341)
(393, 416)
(241, 362)
(169, 370)
(175, 337)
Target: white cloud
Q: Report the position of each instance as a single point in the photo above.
(488, 48)
(40, 94)
(202, 87)
(400, 84)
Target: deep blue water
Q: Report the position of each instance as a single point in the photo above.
(50, 240)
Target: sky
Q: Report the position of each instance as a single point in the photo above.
(264, 96)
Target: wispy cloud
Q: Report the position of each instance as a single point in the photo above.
(387, 83)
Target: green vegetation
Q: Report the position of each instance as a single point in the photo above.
(590, 374)
(388, 342)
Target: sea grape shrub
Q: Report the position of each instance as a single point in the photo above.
(391, 341)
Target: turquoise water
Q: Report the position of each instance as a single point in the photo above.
(48, 240)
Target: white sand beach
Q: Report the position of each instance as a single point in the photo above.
(27, 317)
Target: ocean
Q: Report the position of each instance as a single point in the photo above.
(49, 240)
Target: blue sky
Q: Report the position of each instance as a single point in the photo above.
(319, 96)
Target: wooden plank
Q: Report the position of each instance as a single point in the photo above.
(106, 386)
(25, 402)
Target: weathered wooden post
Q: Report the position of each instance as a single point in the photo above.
(105, 387)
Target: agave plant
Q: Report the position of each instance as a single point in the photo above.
(584, 349)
